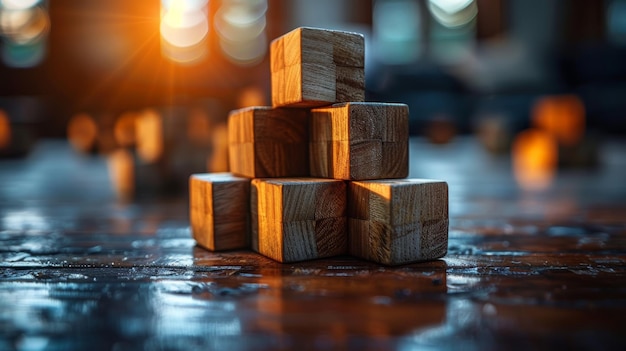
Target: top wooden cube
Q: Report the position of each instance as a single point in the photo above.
(316, 67)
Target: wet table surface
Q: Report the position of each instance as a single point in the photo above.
(80, 270)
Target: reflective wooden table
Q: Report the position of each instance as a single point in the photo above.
(524, 270)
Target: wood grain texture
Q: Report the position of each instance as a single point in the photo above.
(398, 221)
(219, 210)
(315, 67)
(299, 219)
(359, 141)
(266, 142)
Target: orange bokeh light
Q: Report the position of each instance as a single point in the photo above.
(124, 129)
(563, 116)
(149, 136)
(5, 130)
(251, 96)
(82, 132)
(122, 173)
(535, 157)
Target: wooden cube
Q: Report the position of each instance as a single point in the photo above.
(265, 142)
(219, 210)
(398, 221)
(358, 141)
(315, 67)
(296, 219)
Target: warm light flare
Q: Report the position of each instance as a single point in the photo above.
(535, 157)
(184, 30)
(562, 116)
(184, 5)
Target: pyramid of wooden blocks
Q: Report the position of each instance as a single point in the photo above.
(326, 168)
(358, 141)
(297, 219)
(315, 67)
(219, 210)
(268, 142)
(398, 221)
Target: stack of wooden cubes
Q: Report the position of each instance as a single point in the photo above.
(321, 172)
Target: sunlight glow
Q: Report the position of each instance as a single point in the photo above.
(184, 30)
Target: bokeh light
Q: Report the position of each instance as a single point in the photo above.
(535, 158)
(149, 136)
(251, 96)
(24, 27)
(124, 129)
(563, 116)
(5, 130)
(184, 30)
(241, 29)
(453, 13)
(396, 26)
(82, 132)
(18, 4)
(122, 173)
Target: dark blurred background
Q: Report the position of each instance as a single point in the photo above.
(91, 71)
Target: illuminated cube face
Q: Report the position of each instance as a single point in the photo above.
(314, 67)
(398, 221)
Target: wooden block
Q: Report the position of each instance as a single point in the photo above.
(296, 219)
(315, 67)
(266, 142)
(350, 84)
(398, 221)
(358, 141)
(219, 210)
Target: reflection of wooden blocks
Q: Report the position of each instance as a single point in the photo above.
(356, 141)
(218, 206)
(398, 221)
(315, 67)
(266, 142)
(296, 219)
